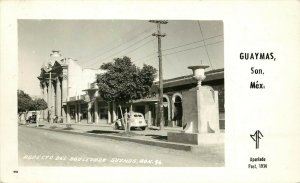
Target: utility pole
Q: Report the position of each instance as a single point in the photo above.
(160, 70)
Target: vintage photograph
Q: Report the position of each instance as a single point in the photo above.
(121, 93)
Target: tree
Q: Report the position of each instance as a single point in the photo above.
(24, 101)
(38, 104)
(124, 82)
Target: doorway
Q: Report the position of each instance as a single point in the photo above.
(178, 111)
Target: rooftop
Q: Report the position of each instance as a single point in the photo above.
(188, 79)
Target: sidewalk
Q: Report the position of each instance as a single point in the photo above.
(149, 136)
(150, 133)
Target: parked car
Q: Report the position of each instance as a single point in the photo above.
(137, 120)
(31, 117)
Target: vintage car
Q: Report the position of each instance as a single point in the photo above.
(31, 117)
(137, 120)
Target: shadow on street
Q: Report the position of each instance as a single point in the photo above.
(102, 132)
(158, 137)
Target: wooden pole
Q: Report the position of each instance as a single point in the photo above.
(160, 68)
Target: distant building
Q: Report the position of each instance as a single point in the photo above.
(75, 98)
(62, 79)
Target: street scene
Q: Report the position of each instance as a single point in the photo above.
(129, 93)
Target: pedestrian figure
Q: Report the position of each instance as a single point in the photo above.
(27, 118)
(49, 116)
(55, 119)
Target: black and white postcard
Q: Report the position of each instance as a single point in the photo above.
(170, 91)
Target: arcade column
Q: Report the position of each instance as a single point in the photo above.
(76, 112)
(45, 99)
(148, 115)
(64, 93)
(68, 113)
(79, 111)
(58, 98)
(90, 112)
(96, 112)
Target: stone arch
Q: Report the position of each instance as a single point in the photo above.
(177, 105)
(173, 101)
(169, 109)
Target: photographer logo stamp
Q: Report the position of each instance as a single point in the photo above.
(256, 137)
(261, 161)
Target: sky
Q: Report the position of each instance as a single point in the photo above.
(93, 42)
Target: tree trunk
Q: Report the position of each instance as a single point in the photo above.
(122, 117)
(131, 111)
(131, 108)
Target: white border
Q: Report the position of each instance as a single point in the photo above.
(248, 26)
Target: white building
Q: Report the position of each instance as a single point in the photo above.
(63, 82)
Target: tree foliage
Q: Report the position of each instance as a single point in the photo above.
(124, 81)
(38, 104)
(25, 103)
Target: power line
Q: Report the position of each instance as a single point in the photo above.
(145, 31)
(107, 51)
(139, 47)
(192, 48)
(204, 45)
(123, 49)
(192, 43)
(120, 51)
(152, 54)
(154, 47)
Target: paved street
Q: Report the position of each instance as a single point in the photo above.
(38, 147)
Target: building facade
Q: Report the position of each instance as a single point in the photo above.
(72, 95)
(61, 79)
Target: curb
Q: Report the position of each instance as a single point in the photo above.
(83, 124)
(171, 145)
